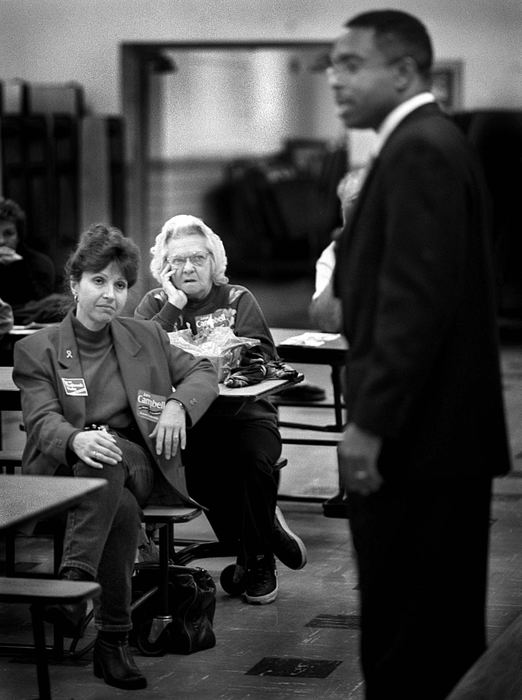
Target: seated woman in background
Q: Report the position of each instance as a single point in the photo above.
(26, 275)
(229, 460)
(6, 324)
(325, 309)
(87, 387)
(6, 318)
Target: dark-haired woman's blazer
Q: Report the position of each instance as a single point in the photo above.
(148, 363)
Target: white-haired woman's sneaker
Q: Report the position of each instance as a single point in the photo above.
(286, 545)
(261, 580)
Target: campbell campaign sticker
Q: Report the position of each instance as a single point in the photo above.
(74, 387)
(150, 405)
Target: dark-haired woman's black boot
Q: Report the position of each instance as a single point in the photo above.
(113, 662)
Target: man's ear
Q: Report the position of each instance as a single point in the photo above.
(406, 73)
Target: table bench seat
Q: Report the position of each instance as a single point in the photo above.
(170, 514)
(9, 460)
(38, 593)
(299, 436)
(45, 591)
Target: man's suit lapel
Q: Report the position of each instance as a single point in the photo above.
(431, 109)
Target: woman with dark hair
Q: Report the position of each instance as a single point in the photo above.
(98, 401)
(26, 275)
(230, 459)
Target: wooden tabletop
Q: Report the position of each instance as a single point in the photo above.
(256, 391)
(25, 497)
(10, 394)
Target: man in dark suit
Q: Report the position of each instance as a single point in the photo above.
(426, 430)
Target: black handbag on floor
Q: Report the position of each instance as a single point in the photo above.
(191, 605)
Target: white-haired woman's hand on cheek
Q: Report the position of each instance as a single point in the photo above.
(174, 295)
(170, 431)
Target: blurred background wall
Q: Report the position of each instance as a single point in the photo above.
(63, 40)
(223, 128)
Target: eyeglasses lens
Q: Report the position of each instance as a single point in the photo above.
(196, 259)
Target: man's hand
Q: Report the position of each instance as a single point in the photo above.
(357, 456)
(170, 431)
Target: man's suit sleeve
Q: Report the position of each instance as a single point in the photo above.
(421, 273)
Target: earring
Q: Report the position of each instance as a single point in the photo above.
(75, 296)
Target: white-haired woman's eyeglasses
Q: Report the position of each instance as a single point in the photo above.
(196, 259)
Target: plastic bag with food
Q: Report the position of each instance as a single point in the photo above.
(221, 346)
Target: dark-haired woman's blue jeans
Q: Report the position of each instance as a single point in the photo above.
(102, 532)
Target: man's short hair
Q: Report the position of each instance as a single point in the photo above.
(398, 34)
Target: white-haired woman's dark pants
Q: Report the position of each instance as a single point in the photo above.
(102, 532)
(230, 469)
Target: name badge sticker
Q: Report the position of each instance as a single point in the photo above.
(74, 387)
(150, 406)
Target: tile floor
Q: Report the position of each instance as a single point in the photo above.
(305, 644)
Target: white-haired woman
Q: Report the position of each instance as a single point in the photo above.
(229, 459)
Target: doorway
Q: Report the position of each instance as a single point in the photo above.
(243, 135)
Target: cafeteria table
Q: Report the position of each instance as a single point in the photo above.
(229, 399)
(314, 348)
(24, 498)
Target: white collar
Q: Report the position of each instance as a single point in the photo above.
(395, 117)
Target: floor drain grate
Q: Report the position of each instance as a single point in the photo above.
(293, 667)
(346, 622)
